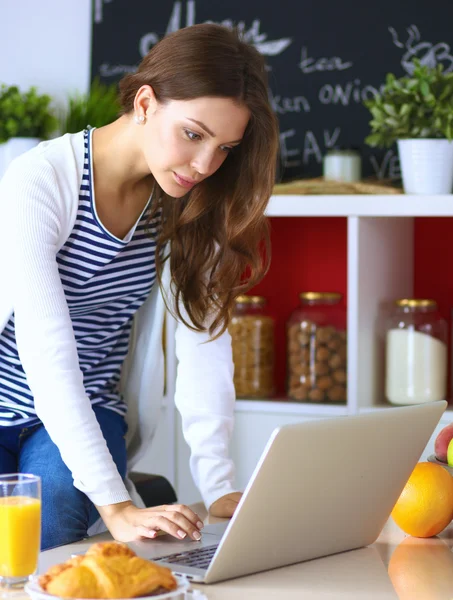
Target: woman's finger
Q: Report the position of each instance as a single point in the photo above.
(173, 523)
(187, 512)
(146, 532)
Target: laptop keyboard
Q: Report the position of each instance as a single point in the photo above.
(198, 558)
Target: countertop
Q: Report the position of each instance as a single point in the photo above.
(395, 566)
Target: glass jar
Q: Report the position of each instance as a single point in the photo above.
(252, 333)
(416, 353)
(317, 349)
(342, 165)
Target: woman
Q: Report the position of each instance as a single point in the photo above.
(165, 205)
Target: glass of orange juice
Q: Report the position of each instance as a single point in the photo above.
(20, 530)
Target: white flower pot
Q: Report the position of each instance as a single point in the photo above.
(14, 147)
(426, 166)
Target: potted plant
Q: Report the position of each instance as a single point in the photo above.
(417, 113)
(100, 106)
(25, 120)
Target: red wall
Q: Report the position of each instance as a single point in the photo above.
(433, 266)
(308, 254)
(311, 254)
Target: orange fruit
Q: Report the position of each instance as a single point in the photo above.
(425, 506)
(421, 569)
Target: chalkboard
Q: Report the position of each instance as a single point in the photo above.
(324, 58)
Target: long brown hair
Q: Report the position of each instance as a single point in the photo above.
(218, 232)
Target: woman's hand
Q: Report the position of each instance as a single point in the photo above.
(226, 505)
(127, 523)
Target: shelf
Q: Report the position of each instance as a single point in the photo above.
(448, 414)
(394, 205)
(286, 407)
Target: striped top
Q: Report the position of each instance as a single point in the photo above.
(105, 280)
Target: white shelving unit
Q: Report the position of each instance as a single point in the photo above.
(389, 205)
(285, 407)
(379, 269)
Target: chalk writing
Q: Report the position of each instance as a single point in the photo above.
(99, 10)
(252, 34)
(282, 105)
(345, 93)
(312, 149)
(146, 42)
(288, 155)
(388, 168)
(331, 139)
(321, 70)
(310, 65)
(428, 53)
(106, 70)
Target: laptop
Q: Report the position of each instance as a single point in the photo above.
(320, 487)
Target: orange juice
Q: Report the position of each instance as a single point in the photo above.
(20, 535)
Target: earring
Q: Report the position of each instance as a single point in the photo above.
(139, 119)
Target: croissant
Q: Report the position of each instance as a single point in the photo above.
(107, 570)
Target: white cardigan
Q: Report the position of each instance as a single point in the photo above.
(38, 206)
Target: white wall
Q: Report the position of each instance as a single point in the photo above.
(46, 43)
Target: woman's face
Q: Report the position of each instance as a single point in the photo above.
(186, 141)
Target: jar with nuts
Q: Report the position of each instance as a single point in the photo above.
(316, 349)
(252, 332)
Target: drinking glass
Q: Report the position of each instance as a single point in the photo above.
(20, 530)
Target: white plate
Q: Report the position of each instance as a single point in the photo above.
(35, 591)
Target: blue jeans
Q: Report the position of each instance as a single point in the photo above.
(67, 513)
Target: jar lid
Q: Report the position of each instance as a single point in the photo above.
(250, 299)
(343, 152)
(320, 296)
(416, 303)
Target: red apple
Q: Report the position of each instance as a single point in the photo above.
(442, 441)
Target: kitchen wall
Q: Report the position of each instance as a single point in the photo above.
(46, 43)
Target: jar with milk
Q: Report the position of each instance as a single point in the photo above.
(416, 353)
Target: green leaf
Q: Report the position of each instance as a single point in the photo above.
(426, 132)
(390, 109)
(100, 106)
(373, 140)
(416, 106)
(392, 122)
(377, 113)
(25, 114)
(424, 88)
(447, 91)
